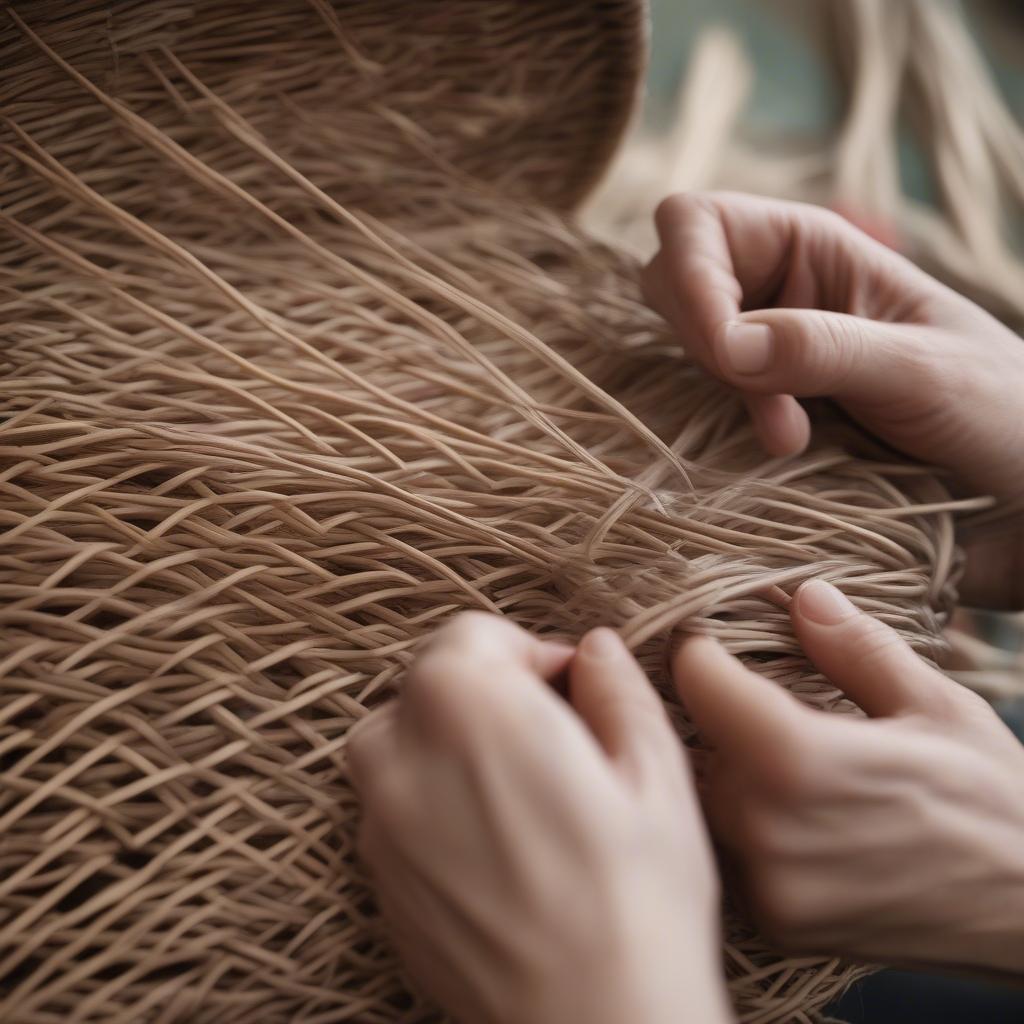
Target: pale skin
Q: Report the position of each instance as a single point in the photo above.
(546, 858)
(539, 859)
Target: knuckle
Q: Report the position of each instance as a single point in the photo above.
(971, 701)
(449, 692)
(673, 210)
(828, 225)
(875, 643)
(844, 346)
(935, 371)
(455, 683)
(830, 221)
(484, 632)
(645, 715)
(468, 638)
(434, 673)
(827, 350)
(955, 701)
(707, 273)
(873, 633)
(467, 627)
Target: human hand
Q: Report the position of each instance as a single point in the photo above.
(828, 311)
(898, 838)
(539, 860)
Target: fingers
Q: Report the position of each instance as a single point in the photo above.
(736, 709)
(695, 284)
(724, 252)
(717, 252)
(476, 691)
(487, 640)
(482, 674)
(813, 353)
(372, 743)
(780, 422)
(614, 697)
(865, 658)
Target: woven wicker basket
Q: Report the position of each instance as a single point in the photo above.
(301, 357)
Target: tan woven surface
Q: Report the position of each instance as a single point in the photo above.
(282, 389)
(531, 96)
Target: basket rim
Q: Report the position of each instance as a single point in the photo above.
(634, 36)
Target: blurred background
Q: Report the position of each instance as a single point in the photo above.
(903, 114)
(906, 117)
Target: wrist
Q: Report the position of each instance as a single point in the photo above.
(978, 932)
(658, 977)
(671, 971)
(994, 940)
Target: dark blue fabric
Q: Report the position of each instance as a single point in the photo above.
(905, 997)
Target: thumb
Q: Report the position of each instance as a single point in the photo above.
(811, 353)
(867, 659)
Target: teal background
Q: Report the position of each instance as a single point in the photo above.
(798, 94)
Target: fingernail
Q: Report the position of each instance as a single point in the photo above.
(746, 348)
(823, 603)
(601, 643)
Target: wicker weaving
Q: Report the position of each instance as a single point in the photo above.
(301, 355)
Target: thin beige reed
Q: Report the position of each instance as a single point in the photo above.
(299, 360)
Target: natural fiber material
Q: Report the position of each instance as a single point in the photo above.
(290, 376)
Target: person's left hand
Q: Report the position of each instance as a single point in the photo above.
(898, 838)
(539, 860)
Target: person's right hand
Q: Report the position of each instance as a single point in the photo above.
(896, 838)
(783, 299)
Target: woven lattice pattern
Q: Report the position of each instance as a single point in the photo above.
(282, 391)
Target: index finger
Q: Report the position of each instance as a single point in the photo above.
(734, 708)
(718, 252)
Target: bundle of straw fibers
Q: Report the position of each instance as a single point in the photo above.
(299, 359)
